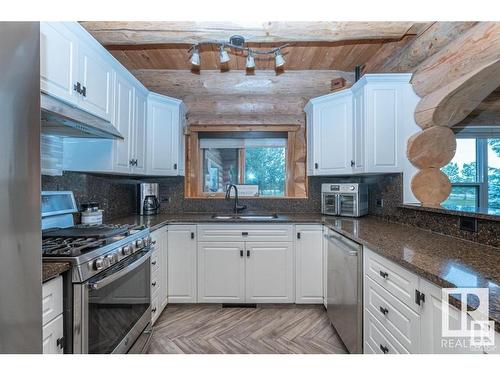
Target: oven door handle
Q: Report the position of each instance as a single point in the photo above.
(115, 276)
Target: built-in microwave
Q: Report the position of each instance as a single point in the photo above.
(346, 199)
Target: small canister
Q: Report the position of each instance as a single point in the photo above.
(91, 214)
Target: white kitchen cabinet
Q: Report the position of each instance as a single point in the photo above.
(76, 69)
(331, 135)
(182, 268)
(165, 135)
(124, 122)
(361, 129)
(269, 272)
(325, 266)
(58, 61)
(140, 131)
(52, 316)
(221, 272)
(309, 264)
(52, 336)
(96, 76)
(159, 265)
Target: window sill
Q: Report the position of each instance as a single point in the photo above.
(485, 214)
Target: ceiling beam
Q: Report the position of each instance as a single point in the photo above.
(182, 83)
(123, 33)
(405, 55)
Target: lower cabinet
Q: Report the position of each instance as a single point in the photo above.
(221, 272)
(159, 272)
(52, 316)
(403, 313)
(181, 264)
(309, 271)
(245, 272)
(269, 272)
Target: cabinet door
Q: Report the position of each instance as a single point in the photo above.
(269, 272)
(309, 264)
(124, 98)
(181, 264)
(333, 137)
(432, 340)
(96, 76)
(159, 264)
(139, 153)
(58, 61)
(358, 141)
(52, 341)
(163, 139)
(383, 126)
(221, 272)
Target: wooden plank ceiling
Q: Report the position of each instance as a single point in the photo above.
(313, 45)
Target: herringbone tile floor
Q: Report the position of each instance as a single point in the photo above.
(208, 329)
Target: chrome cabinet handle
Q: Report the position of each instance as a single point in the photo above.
(241, 253)
(383, 274)
(248, 253)
(153, 283)
(384, 349)
(384, 310)
(153, 263)
(153, 309)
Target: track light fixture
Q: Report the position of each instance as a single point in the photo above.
(224, 56)
(279, 61)
(237, 43)
(195, 58)
(250, 64)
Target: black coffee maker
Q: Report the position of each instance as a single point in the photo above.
(148, 200)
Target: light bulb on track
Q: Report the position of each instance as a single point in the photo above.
(250, 64)
(224, 56)
(195, 58)
(279, 61)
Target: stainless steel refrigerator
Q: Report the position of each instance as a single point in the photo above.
(20, 233)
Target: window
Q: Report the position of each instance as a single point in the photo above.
(475, 174)
(244, 159)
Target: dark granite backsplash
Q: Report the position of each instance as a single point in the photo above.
(389, 188)
(117, 196)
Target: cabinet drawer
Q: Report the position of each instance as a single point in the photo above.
(52, 336)
(402, 322)
(241, 232)
(52, 295)
(155, 307)
(155, 282)
(400, 282)
(155, 262)
(379, 339)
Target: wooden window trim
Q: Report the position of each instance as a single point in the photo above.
(294, 163)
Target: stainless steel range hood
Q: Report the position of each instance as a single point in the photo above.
(59, 118)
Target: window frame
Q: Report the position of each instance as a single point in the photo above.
(481, 183)
(296, 181)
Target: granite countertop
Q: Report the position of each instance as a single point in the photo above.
(53, 269)
(443, 260)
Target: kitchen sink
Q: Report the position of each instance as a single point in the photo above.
(245, 217)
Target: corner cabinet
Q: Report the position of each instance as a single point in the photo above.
(360, 129)
(166, 122)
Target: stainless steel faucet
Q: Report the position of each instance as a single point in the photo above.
(237, 207)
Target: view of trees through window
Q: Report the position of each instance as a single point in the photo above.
(470, 174)
(265, 166)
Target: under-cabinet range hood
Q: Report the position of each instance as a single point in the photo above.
(59, 118)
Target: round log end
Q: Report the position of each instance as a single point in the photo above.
(431, 148)
(431, 186)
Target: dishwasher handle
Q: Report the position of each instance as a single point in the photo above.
(351, 250)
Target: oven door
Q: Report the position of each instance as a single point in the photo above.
(329, 204)
(115, 307)
(348, 205)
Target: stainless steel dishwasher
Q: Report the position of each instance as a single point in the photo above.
(345, 289)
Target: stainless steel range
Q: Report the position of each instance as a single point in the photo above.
(110, 276)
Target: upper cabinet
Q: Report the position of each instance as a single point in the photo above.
(165, 136)
(361, 129)
(75, 70)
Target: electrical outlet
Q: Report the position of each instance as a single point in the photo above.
(380, 202)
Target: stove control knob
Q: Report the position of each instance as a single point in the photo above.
(99, 264)
(126, 250)
(147, 241)
(111, 259)
(139, 244)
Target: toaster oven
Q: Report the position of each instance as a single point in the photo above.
(346, 199)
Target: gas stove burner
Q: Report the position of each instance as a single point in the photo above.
(89, 230)
(59, 246)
